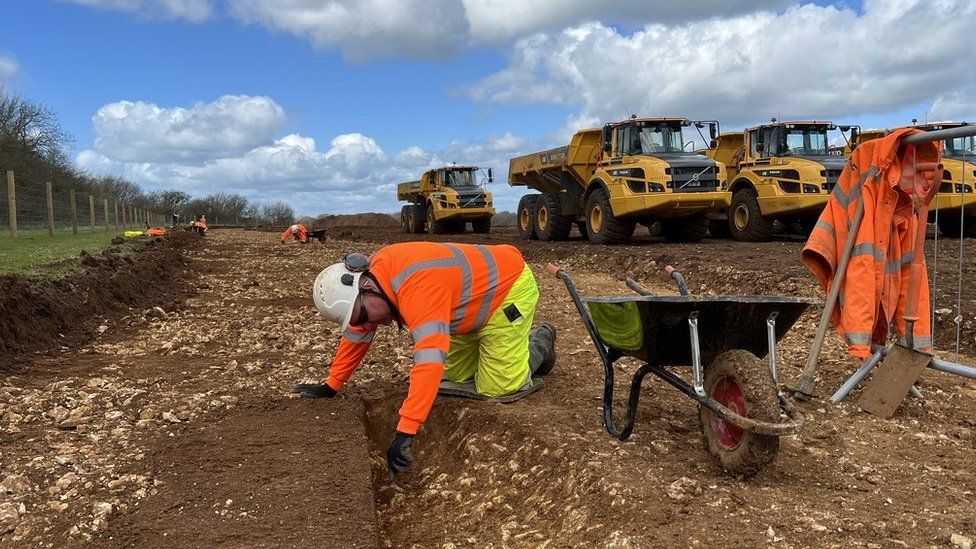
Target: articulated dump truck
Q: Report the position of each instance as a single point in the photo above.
(445, 200)
(958, 189)
(607, 180)
(782, 171)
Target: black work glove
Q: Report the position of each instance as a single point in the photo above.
(314, 390)
(398, 457)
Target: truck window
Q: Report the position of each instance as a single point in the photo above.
(753, 136)
(459, 178)
(804, 142)
(660, 139)
(960, 147)
(624, 142)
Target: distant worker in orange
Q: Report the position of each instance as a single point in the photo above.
(297, 231)
(469, 310)
(200, 225)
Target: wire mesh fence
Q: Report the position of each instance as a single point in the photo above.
(28, 204)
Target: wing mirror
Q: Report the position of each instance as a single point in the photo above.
(491, 178)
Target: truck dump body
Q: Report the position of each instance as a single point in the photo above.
(543, 170)
(408, 191)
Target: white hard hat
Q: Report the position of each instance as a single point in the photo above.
(334, 292)
(294, 229)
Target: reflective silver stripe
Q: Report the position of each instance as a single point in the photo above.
(461, 261)
(843, 198)
(429, 355)
(430, 328)
(867, 248)
(825, 226)
(441, 263)
(857, 338)
(896, 266)
(492, 286)
(357, 337)
(920, 342)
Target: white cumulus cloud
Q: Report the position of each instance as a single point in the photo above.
(231, 145)
(145, 132)
(364, 29)
(195, 11)
(8, 68)
(808, 61)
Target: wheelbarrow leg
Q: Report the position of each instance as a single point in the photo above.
(859, 375)
(696, 365)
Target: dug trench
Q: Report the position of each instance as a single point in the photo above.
(156, 424)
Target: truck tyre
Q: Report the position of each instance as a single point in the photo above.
(481, 226)
(952, 227)
(549, 223)
(434, 226)
(405, 218)
(526, 211)
(418, 217)
(745, 218)
(738, 380)
(719, 228)
(602, 227)
(686, 229)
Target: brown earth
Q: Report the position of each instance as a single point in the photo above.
(150, 429)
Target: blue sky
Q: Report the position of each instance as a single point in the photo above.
(328, 103)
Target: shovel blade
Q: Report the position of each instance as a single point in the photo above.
(892, 380)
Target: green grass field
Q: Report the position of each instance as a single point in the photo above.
(31, 251)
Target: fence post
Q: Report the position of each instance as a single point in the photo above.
(50, 209)
(12, 203)
(116, 203)
(91, 211)
(105, 207)
(123, 216)
(74, 212)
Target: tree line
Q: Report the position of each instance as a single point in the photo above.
(35, 146)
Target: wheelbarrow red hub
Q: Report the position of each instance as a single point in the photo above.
(728, 393)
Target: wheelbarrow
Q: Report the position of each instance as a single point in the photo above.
(722, 337)
(317, 234)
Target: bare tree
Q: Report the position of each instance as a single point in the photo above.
(278, 213)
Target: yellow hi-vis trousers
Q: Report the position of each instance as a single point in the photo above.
(497, 355)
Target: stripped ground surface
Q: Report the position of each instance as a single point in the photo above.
(177, 425)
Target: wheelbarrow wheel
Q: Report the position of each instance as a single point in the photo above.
(740, 381)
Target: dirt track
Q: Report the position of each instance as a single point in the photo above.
(176, 429)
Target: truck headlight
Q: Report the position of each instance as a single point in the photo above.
(655, 188)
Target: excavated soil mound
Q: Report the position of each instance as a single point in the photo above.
(38, 314)
(284, 473)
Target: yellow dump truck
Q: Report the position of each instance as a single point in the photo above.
(958, 189)
(445, 200)
(611, 178)
(782, 171)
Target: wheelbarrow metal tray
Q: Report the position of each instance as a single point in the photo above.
(655, 328)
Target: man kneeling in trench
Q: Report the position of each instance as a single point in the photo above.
(469, 309)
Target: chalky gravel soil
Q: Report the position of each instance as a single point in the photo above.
(169, 424)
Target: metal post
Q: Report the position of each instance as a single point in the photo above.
(91, 211)
(105, 208)
(696, 366)
(771, 343)
(74, 211)
(50, 209)
(12, 203)
(123, 216)
(116, 202)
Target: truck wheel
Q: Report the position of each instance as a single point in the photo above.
(526, 211)
(686, 229)
(549, 223)
(745, 218)
(952, 227)
(602, 227)
(481, 226)
(740, 381)
(418, 217)
(434, 226)
(405, 221)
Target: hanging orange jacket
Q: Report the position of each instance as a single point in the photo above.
(439, 290)
(875, 287)
(301, 235)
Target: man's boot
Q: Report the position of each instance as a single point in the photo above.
(542, 349)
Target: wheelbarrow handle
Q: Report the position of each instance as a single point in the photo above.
(554, 269)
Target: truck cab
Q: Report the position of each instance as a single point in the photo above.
(782, 171)
(958, 189)
(445, 199)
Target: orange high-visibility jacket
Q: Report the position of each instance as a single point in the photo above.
(302, 235)
(439, 290)
(875, 287)
(202, 223)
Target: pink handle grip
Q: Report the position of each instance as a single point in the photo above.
(553, 269)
